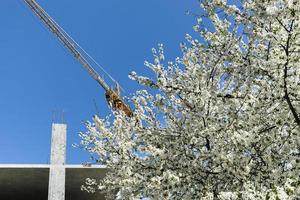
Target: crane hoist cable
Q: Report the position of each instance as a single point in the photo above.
(87, 54)
(112, 95)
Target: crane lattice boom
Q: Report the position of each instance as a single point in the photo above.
(112, 96)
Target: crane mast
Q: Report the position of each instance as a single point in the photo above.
(112, 95)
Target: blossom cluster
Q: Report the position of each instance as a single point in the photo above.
(222, 120)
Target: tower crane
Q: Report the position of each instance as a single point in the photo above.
(112, 95)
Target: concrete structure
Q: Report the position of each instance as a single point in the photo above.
(56, 181)
(57, 160)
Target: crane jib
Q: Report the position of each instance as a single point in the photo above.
(49, 22)
(113, 96)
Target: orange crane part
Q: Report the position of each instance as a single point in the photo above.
(113, 96)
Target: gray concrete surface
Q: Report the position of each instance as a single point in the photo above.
(57, 160)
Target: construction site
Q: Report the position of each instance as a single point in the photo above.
(54, 181)
(216, 118)
(51, 81)
(58, 180)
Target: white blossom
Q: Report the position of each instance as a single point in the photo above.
(222, 121)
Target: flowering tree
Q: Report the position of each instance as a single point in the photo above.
(224, 119)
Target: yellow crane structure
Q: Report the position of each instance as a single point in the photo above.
(113, 96)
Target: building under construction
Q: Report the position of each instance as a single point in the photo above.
(57, 180)
(54, 181)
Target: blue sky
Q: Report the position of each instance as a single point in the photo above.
(39, 77)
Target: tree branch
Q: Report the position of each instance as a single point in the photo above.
(285, 71)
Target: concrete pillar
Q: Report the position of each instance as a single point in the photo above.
(57, 161)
